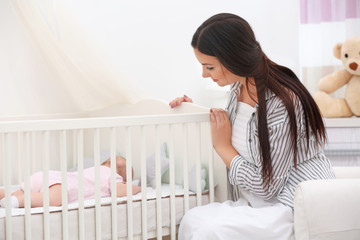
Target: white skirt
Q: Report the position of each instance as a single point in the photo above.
(236, 220)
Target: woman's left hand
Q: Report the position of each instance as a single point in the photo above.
(221, 135)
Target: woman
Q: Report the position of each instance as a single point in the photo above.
(270, 138)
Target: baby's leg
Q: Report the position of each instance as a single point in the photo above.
(55, 195)
(2, 193)
(14, 200)
(37, 197)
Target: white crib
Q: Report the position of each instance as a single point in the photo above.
(136, 131)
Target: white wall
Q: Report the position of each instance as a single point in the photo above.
(150, 41)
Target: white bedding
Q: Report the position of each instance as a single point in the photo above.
(18, 221)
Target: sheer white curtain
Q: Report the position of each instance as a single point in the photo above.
(323, 23)
(67, 70)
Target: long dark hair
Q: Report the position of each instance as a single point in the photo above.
(230, 38)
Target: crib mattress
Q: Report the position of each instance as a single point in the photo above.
(18, 219)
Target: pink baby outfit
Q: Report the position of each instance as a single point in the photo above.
(36, 182)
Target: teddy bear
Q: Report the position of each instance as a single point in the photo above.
(330, 107)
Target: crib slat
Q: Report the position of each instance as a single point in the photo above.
(2, 154)
(211, 169)
(143, 185)
(211, 175)
(129, 186)
(198, 165)
(97, 183)
(46, 185)
(80, 157)
(186, 167)
(33, 148)
(64, 185)
(27, 200)
(113, 183)
(158, 183)
(172, 184)
(20, 157)
(6, 179)
(74, 145)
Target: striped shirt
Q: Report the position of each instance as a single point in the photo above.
(239, 142)
(247, 173)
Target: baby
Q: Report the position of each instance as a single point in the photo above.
(36, 195)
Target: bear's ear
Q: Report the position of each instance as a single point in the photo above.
(337, 50)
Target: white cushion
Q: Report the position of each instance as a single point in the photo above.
(347, 172)
(151, 165)
(327, 210)
(193, 181)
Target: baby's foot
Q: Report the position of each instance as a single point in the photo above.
(14, 202)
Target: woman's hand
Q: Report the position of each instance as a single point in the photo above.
(177, 101)
(221, 135)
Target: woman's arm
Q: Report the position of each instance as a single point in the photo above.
(121, 189)
(221, 135)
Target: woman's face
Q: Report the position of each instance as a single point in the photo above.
(215, 70)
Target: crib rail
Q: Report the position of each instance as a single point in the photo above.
(192, 128)
(91, 123)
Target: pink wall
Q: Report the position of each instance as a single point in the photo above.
(316, 11)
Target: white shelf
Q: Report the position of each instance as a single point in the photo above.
(353, 122)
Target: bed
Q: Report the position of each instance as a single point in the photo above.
(137, 132)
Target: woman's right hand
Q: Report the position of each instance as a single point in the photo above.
(177, 101)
